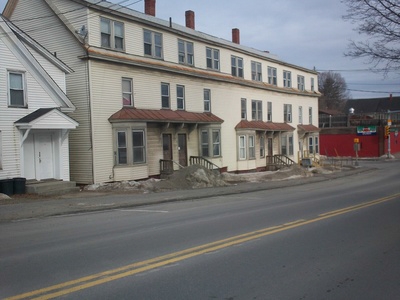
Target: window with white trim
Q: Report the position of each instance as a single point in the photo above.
(242, 147)
(180, 97)
(269, 111)
(138, 146)
(310, 115)
(312, 85)
(207, 100)
(204, 143)
(300, 114)
(287, 113)
(256, 110)
(237, 66)
(262, 146)
(17, 91)
(122, 149)
(313, 144)
(112, 34)
(287, 79)
(272, 77)
(130, 146)
(243, 109)
(252, 147)
(300, 83)
(185, 52)
(127, 92)
(165, 97)
(210, 141)
(256, 71)
(287, 144)
(153, 45)
(216, 142)
(212, 58)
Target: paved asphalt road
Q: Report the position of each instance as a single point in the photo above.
(336, 239)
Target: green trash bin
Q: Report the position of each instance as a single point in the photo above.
(7, 186)
(19, 185)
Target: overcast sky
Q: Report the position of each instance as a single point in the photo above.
(308, 33)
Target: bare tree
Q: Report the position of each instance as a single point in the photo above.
(334, 91)
(380, 21)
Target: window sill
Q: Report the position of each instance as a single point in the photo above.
(17, 106)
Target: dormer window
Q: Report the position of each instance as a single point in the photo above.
(112, 34)
(153, 44)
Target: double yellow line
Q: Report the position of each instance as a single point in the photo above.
(157, 262)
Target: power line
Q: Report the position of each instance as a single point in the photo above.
(377, 92)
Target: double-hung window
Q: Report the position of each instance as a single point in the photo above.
(256, 110)
(237, 66)
(313, 144)
(300, 114)
(138, 146)
(287, 144)
(242, 147)
(212, 58)
(256, 73)
(269, 111)
(312, 85)
(252, 147)
(185, 52)
(262, 145)
(204, 143)
(272, 77)
(153, 44)
(287, 79)
(122, 149)
(310, 115)
(207, 100)
(300, 83)
(216, 142)
(127, 94)
(165, 97)
(180, 97)
(130, 146)
(287, 113)
(16, 82)
(112, 34)
(243, 109)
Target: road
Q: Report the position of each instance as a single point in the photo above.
(337, 239)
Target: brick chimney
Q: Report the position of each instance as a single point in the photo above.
(189, 14)
(235, 36)
(150, 7)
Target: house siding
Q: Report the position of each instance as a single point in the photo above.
(95, 89)
(37, 96)
(58, 40)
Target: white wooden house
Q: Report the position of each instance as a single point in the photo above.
(34, 128)
(147, 89)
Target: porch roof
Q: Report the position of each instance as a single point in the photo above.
(46, 118)
(264, 126)
(308, 128)
(164, 116)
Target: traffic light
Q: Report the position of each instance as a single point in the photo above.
(387, 132)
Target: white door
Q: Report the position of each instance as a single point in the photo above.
(44, 156)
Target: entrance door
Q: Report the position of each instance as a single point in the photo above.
(44, 156)
(270, 147)
(168, 166)
(182, 149)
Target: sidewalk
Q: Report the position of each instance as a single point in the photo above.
(87, 201)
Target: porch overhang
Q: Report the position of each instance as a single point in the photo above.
(46, 118)
(131, 114)
(263, 126)
(304, 129)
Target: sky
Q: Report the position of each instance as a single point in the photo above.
(307, 33)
